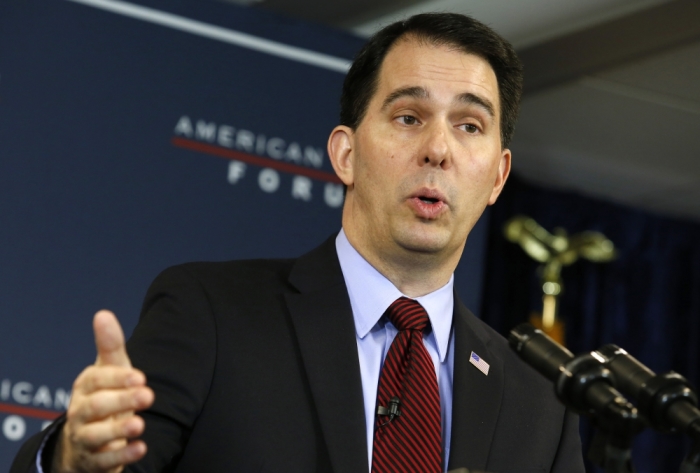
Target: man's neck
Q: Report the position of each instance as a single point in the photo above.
(413, 273)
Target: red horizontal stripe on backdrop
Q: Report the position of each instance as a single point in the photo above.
(28, 411)
(255, 160)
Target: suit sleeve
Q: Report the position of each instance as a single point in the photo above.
(38, 449)
(568, 458)
(174, 344)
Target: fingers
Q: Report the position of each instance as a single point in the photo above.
(132, 452)
(100, 446)
(109, 340)
(99, 424)
(101, 435)
(113, 460)
(94, 378)
(108, 402)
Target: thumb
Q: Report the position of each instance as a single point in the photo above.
(109, 339)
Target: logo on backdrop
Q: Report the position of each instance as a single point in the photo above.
(30, 407)
(273, 155)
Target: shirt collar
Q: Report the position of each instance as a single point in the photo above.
(371, 294)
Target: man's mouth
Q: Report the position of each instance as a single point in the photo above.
(429, 196)
(428, 204)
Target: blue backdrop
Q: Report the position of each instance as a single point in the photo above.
(136, 138)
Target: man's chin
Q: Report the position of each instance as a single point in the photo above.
(423, 243)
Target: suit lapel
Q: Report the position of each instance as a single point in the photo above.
(325, 329)
(476, 398)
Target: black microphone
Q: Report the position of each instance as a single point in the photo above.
(539, 350)
(582, 383)
(668, 400)
(392, 411)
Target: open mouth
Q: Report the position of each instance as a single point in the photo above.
(428, 204)
(429, 200)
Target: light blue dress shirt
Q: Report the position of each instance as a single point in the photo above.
(370, 295)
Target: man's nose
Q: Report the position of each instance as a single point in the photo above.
(437, 148)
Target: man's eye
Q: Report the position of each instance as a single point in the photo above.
(408, 120)
(469, 128)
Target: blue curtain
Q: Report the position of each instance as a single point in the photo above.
(647, 301)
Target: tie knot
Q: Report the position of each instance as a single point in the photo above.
(407, 314)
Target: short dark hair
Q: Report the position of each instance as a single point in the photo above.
(463, 32)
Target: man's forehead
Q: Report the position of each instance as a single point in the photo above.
(409, 49)
(415, 63)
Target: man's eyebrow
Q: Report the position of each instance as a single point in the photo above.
(472, 99)
(415, 92)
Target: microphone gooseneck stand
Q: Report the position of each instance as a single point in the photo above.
(667, 400)
(585, 385)
(691, 462)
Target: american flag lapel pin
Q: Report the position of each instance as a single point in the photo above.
(480, 364)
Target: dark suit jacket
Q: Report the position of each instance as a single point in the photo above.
(255, 369)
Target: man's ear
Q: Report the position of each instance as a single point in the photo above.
(340, 151)
(501, 177)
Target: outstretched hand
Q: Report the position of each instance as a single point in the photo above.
(101, 426)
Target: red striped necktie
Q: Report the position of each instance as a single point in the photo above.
(408, 432)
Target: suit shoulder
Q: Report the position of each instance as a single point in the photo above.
(230, 272)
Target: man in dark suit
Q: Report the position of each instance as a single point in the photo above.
(273, 365)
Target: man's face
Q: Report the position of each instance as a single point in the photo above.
(426, 158)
